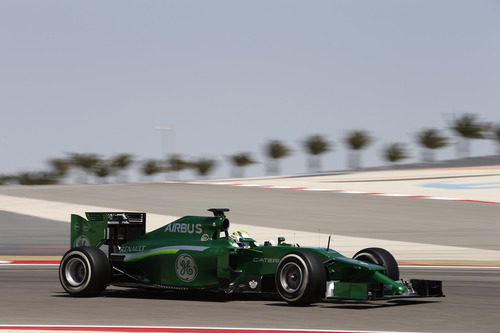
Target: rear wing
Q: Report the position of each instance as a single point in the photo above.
(106, 228)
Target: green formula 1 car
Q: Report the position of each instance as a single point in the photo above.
(197, 253)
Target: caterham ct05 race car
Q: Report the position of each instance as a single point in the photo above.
(198, 253)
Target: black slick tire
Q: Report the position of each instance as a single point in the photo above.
(376, 255)
(84, 271)
(300, 278)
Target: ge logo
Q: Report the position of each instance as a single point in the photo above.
(253, 284)
(82, 241)
(185, 268)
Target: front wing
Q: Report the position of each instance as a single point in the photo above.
(378, 291)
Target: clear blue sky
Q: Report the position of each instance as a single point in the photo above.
(98, 76)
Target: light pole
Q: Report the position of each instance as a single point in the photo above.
(163, 140)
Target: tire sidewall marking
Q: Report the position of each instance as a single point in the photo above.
(305, 278)
(62, 271)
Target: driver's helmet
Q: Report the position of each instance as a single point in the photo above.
(237, 235)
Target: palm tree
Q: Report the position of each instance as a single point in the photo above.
(316, 145)
(275, 150)
(7, 179)
(204, 166)
(467, 127)
(36, 178)
(60, 166)
(395, 152)
(496, 137)
(150, 168)
(85, 162)
(120, 163)
(240, 161)
(356, 140)
(175, 164)
(4, 179)
(102, 169)
(431, 140)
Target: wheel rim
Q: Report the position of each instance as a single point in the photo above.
(75, 272)
(291, 277)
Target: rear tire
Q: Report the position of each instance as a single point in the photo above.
(378, 256)
(300, 278)
(84, 271)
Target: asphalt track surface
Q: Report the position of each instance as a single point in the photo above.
(33, 295)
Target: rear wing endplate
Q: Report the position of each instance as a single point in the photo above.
(110, 228)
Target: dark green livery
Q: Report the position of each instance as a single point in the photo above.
(195, 253)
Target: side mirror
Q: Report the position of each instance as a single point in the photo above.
(225, 225)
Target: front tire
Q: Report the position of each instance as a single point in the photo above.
(300, 278)
(84, 271)
(378, 256)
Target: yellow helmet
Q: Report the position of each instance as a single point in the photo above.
(237, 235)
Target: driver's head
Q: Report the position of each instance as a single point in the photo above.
(238, 235)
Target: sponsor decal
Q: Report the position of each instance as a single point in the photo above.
(205, 237)
(77, 227)
(184, 228)
(253, 284)
(82, 241)
(266, 260)
(86, 227)
(185, 268)
(134, 248)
